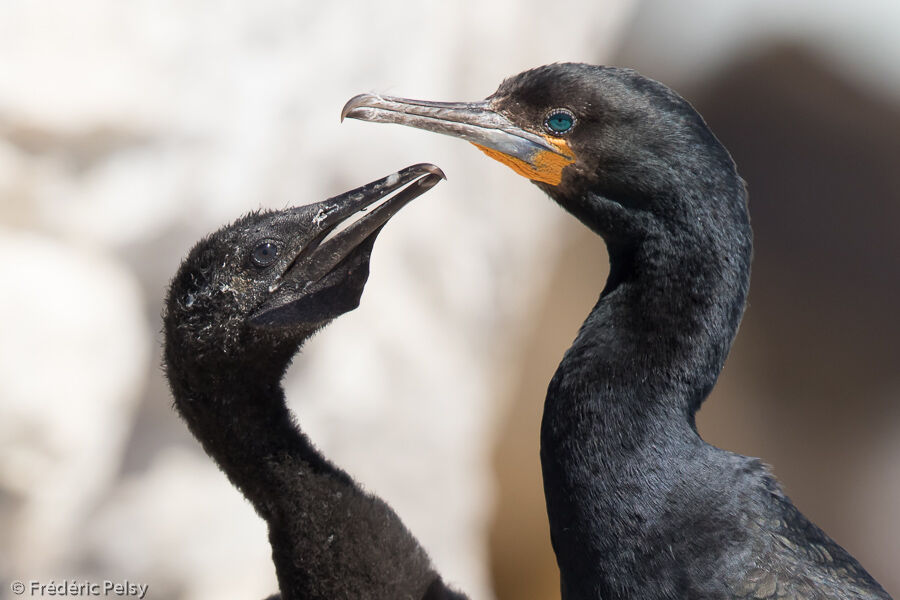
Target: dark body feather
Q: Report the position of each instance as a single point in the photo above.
(640, 506)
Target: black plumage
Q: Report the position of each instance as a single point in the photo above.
(242, 303)
(640, 507)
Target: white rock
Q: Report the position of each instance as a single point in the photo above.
(74, 352)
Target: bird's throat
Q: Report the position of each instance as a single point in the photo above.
(545, 167)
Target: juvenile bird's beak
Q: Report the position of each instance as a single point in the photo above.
(535, 156)
(323, 256)
(303, 293)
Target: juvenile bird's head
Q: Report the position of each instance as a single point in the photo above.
(268, 281)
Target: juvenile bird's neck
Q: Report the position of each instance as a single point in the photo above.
(329, 538)
(618, 441)
(237, 410)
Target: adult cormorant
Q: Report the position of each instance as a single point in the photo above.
(640, 507)
(242, 303)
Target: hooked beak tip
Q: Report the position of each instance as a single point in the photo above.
(434, 170)
(358, 101)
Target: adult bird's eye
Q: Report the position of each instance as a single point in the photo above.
(559, 121)
(264, 254)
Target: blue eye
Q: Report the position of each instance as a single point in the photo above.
(559, 121)
(264, 254)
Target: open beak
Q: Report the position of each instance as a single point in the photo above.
(536, 156)
(326, 251)
(303, 293)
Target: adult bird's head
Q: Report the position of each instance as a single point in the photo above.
(576, 128)
(265, 283)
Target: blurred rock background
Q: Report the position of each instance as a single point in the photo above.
(129, 130)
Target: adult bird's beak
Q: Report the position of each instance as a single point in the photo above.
(535, 156)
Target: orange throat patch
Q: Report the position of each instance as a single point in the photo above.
(548, 166)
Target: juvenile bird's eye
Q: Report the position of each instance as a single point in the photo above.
(264, 254)
(559, 121)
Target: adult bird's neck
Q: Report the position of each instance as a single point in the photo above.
(618, 437)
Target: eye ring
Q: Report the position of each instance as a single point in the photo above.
(265, 253)
(559, 121)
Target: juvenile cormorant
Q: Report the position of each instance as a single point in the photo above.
(241, 305)
(640, 507)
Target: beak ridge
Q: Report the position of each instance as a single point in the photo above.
(475, 122)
